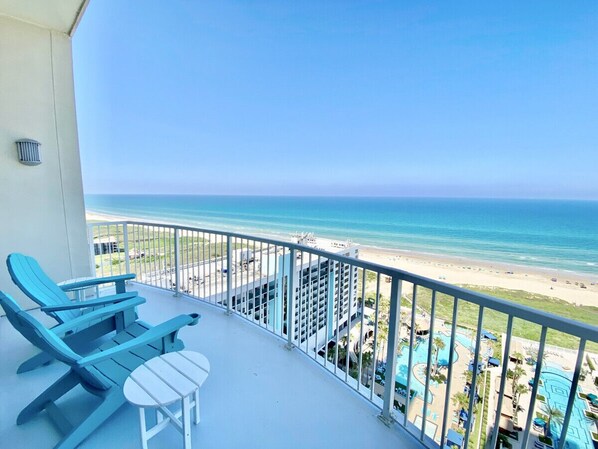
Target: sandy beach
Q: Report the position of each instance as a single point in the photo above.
(463, 271)
(454, 270)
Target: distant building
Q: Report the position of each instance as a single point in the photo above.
(323, 290)
(105, 245)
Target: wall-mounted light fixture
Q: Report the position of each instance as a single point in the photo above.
(28, 150)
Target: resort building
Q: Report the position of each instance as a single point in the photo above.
(325, 291)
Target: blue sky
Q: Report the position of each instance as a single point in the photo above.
(485, 99)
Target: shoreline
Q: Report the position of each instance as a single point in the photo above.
(463, 271)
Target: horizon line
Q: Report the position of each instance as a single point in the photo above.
(431, 197)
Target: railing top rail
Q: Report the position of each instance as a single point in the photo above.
(566, 325)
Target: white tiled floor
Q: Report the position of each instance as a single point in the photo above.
(258, 394)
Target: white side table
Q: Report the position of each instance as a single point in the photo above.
(162, 381)
(78, 291)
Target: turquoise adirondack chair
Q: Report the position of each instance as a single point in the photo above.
(35, 283)
(101, 373)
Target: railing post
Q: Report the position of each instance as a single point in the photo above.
(92, 253)
(126, 243)
(177, 264)
(291, 298)
(229, 279)
(391, 351)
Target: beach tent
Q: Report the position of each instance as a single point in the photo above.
(493, 361)
(489, 335)
(453, 437)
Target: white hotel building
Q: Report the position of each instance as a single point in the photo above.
(320, 285)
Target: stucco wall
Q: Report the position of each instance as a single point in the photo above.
(41, 207)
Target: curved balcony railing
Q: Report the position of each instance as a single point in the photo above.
(342, 312)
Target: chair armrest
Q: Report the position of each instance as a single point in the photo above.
(119, 280)
(113, 299)
(62, 329)
(170, 327)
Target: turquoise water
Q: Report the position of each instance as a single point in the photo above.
(420, 356)
(556, 387)
(542, 233)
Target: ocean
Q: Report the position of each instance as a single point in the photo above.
(554, 234)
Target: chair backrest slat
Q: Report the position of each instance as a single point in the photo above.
(27, 274)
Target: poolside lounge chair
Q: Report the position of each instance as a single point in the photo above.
(101, 373)
(35, 283)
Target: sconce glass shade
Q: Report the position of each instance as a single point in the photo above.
(28, 150)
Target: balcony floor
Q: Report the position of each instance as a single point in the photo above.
(258, 393)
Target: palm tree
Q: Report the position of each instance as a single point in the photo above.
(552, 414)
(460, 400)
(515, 375)
(519, 357)
(437, 346)
(519, 390)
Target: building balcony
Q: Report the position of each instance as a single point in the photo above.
(366, 356)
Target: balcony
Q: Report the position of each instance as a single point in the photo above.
(305, 362)
(258, 393)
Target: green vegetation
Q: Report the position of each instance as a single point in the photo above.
(497, 322)
(371, 276)
(481, 423)
(154, 249)
(552, 414)
(545, 440)
(590, 363)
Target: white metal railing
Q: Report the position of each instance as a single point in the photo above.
(343, 312)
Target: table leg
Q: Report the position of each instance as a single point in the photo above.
(197, 406)
(142, 426)
(187, 422)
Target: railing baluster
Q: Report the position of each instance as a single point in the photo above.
(535, 387)
(429, 366)
(310, 305)
(361, 345)
(391, 350)
(348, 343)
(229, 279)
(92, 252)
(328, 310)
(337, 283)
(572, 394)
(474, 377)
(291, 299)
(449, 377)
(503, 381)
(177, 265)
(319, 291)
(410, 358)
(375, 361)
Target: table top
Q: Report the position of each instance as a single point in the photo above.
(166, 379)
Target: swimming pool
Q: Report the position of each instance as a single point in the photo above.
(556, 387)
(420, 356)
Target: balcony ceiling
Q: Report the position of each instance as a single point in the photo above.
(59, 15)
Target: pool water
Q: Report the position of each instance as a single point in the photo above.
(420, 356)
(556, 387)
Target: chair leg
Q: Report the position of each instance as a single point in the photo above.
(101, 413)
(57, 390)
(34, 362)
